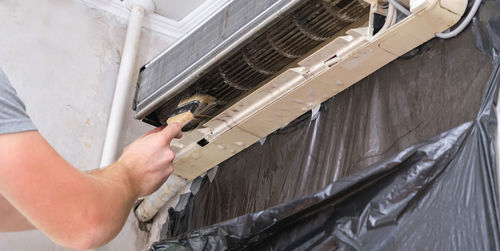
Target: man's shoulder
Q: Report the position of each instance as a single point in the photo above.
(13, 116)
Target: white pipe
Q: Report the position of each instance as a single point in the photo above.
(391, 12)
(399, 7)
(463, 24)
(152, 204)
(123, 85)
(497, 148)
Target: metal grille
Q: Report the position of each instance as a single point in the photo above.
(287, 39)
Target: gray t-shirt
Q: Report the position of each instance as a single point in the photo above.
(13, 117)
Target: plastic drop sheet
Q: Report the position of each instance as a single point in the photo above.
(402, 160)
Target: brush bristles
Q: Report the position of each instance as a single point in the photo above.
(202, 98)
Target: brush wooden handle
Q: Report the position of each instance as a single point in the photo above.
(182, 118)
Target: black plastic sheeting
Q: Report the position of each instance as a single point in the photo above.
(389, 192)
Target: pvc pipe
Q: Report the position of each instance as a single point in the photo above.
(148, 5)
(497, 147)
(123, 85)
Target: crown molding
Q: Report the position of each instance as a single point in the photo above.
(170, 28)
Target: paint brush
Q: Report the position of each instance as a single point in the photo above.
(189, 108)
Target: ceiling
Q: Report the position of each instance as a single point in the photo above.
(175, 9)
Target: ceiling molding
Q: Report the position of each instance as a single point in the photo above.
(170, 28)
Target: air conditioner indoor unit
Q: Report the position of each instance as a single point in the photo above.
(267, 62)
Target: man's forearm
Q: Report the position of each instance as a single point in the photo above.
(114, 201)
(73, 208)
(76, 209)
(12, 219)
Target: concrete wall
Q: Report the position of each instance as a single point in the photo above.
(63, 57)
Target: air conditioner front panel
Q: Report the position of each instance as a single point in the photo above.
(263, 83)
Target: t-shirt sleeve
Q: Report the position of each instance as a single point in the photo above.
(13, 116)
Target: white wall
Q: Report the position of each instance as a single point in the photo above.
(63, 57)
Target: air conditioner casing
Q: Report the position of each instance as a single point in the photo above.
(334, 64)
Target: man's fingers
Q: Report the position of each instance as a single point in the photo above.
(170, 168)
(171, 131)
(179, 135)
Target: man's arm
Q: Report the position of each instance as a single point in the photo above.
(12, 220)
(77, 209)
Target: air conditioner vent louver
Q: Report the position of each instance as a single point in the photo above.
(286, 39)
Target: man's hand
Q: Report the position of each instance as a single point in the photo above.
(148, 160)
(76, 209)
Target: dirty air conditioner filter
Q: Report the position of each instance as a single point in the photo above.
(255, 40)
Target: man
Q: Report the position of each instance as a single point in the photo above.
(75, 209)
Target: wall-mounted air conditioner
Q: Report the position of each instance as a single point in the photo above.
(269, 61)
